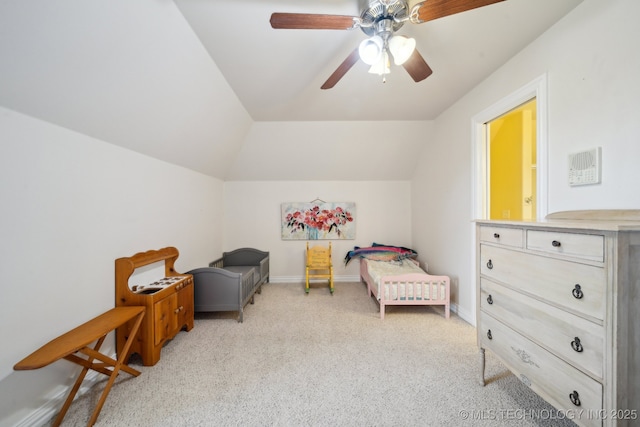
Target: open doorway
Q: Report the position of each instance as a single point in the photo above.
(481, 189)
(512, 163)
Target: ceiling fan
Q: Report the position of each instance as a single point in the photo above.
(380, 20)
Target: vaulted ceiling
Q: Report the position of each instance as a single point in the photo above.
(277, 74)
(185, 80)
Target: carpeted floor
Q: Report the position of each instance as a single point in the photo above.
(319, 360)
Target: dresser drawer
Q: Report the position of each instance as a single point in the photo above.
(584, 246)
(578, 287)
(544, 373)
(501, 235)
(576, 340)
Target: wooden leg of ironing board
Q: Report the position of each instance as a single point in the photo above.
(76, 387)
(124, 354)
(89, 363)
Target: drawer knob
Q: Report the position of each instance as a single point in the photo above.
(577, 292)
(490, 265)
(489, 334)
(490, 299)
(576, 345)
(575, 398)
(496, 235)
(556, 244)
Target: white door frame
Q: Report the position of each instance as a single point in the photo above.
(536, 89)
(479, 146)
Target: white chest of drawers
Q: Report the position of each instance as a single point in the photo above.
(558, 301)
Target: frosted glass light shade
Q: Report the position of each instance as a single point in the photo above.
(401, 48)
(382, 67)
(370, 50)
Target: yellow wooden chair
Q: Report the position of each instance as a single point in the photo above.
(319, 265)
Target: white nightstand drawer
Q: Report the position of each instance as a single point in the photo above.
(503, 236)
(559, 383)
(578, 287)
(573, 338)
(585, 246)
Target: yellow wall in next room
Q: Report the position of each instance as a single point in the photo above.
(512, 172)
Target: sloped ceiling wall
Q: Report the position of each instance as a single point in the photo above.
(131, 73)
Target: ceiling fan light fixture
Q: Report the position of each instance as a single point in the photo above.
(370, 50)
(401, 48)
(383, 66)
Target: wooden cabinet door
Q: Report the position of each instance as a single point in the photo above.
(165, 319)
(185, 307)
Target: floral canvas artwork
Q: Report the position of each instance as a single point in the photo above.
(318, 221)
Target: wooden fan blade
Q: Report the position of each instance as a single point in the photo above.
(417, 67)
(341, 70)
(433, 9)
(312, 21)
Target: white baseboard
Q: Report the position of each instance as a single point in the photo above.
(466, 316)
(301, 279)
(44, 414)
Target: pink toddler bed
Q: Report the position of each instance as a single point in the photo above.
(403, 282)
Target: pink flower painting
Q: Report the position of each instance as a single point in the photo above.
(313, 221)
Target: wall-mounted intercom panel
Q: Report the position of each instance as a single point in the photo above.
(584, 167)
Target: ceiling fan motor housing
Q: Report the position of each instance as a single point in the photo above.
(384, 17)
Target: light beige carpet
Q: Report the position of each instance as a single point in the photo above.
(319, 360)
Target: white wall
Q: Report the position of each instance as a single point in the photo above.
(594, 99)
(340, 151)
(252, 219)
(71, 205)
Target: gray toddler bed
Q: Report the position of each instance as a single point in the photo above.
(231, 281)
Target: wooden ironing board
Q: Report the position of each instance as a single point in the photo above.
(77, 341)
